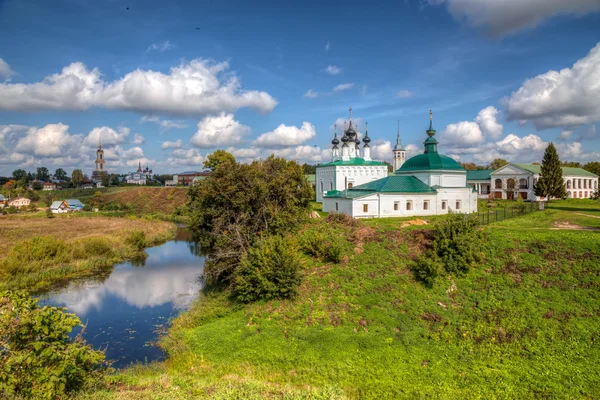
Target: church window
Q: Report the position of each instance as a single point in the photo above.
(409, 205)
(396, 205)
(426, 205)
(365, 208)
(101, 156)
(321, 186)
(498, 184)
(330, 185)
(336, 206)
(458, 205)
(443, 205)
(349, 185)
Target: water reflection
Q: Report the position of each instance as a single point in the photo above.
(124, 311)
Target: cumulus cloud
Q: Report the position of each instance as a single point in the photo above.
(51, 140)
(220, 130)
(403, 94)
(107, 136)
(502, 17)
(381, 150)
(165, 124)
(333, 70)
(190, 157)
(462, 134)
(560, 98)
(565, 134)
(308, 154)
(284, 136)
(486, 119)
(160, 47)
(199, 87)
(244, 153)
(139, 139)
(343, 86)
(171, 145)
(5, 71)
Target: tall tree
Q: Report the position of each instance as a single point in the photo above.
(497, 163)
(105, 180)
(77, 177)
(60, 174)
(42, 174)
(19, 174)
(571, 164)
(593, 167)
(551, 183)
(217, 158)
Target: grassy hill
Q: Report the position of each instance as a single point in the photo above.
(146, 200)
(522, 324)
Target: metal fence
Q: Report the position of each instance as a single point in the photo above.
(510, 210)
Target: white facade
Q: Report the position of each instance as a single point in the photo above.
(338, 176)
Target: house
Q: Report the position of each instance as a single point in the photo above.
(186, 178)
(88, 184)
(3, 201)
(480, 181)
(516, 180)
(19, 202)
(49, 186)
(59, 207)
(140, 177)
(74, 204)
(426, 184)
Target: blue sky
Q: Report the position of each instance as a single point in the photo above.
(168, 82)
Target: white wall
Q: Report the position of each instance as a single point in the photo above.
(338, 176)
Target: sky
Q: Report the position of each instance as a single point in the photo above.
(166, 83)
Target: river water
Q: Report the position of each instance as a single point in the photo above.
(126, 311)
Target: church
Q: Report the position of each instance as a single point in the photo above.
(426, 184)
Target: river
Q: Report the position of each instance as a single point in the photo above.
(126, 311)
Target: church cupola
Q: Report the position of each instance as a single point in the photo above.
(335, 142)
(366, 141)
(398, 152)
(430, 143)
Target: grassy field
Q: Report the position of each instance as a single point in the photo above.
(522, 324)
(39, 252)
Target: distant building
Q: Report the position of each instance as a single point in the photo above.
(74, 204)
(88, 184)
(59, 207)
(140, 177)
(49, 186)
(100, 170)
(3, 201)
(480, 181)
(186, 178)
(19, 202)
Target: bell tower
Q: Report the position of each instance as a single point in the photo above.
(100, 163)
(399, 152)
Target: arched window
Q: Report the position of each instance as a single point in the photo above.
(523, 184)
(408, 205)
(330, 185)
(569, 184)
(426, 205)
(585, 183)
(458, 205)
(510, 183)
(443, 205)
(321, 186)
(350, 185)
(498, 184)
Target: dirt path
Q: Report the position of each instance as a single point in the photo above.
(587, 215)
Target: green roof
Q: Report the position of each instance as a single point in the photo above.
(353, 161)
(536, 169)
(429, 161)
(390, 184)
(479, 175)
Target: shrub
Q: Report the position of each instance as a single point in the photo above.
(426, 269)
(38, 359)
(270, 270)
(340, 218)
(41, 248)
(49, 213)
(97, 246)
(324, 247)
(136, 239)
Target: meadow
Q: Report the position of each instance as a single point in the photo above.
(523, 323)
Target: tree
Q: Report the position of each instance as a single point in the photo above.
(77, 177)
(235, 207)
(10, 185)
(571, 164)
(217, 158)
(37, 185)
(390, 167)
(114, 180)
(309, 169)
(60, 174)
(551, 183)
(19, 174)
(497, 163)
(42, 174)
(105, 180)
(593, 167)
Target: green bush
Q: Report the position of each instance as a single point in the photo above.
(270, 270)
(38, 359)
(49, 213)
(97, 246)
(41, 248)
(136, 239)
(321, 246)
(427, 268)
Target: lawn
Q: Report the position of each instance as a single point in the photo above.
(522, 324)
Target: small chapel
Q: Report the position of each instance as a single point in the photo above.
(426, 184)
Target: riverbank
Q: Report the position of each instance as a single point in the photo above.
(39, 253)
(522, 324)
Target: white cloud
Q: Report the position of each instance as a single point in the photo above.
(199, 87)
(190, 157)
(560, 98)
(403, 94)
(343, 86)
(244, 153)
(107, 136)
(311, 94)
(165, 124)
(220, 130)
(462, 134)
(139, 139)
(118, 153)
(333, 70)
(171, 145)
(508, 16)
(5, 71)
(284, 136)
(381, 150)
(308, 154)
(327, 46)
(341, 122)
(160, 47)
(565, 134)
(486, 119)
(51, 140)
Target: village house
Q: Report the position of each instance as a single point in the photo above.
(19, 202)
(74, 204)
(49, 186)
(3, 201)
(480, 181)
(59, 207)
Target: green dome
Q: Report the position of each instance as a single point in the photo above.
(430, 161)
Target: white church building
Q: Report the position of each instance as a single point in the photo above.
(426, 184)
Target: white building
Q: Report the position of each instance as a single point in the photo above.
(517, 180)
(480, 181)
(399, 152)
(140, 177)
(426, 184)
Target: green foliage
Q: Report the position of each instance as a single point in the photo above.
(40, 248)
(98, 246)
(322, 246)
(497, 163)
(77, 177)
(105, 180)
(551, 183)
(37, 185)
(60, 174)
(593, 167)
(136, 239)
(456, 246)
(235, 206)
(270, 270)
(217, 158)
(42, 174)
(19, 174)
(49, 213)
(38, 359)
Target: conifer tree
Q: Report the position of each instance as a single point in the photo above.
(551, 183)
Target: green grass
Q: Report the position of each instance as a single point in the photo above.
(523, 324)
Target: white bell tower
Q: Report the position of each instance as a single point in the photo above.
(399, 152)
